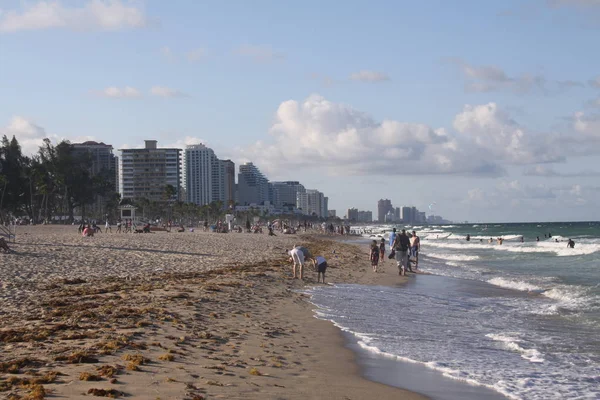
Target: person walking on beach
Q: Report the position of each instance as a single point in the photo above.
(382, 250)
(297, 258)
(392, 238)
(374, 255)
(119, 223)
(321, 267)
(401, 245)
(107, 227)
(415, 247)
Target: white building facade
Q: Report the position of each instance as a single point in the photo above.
(145, 173)
(204, 175)
(253, 186)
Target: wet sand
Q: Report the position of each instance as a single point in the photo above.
(174, 316)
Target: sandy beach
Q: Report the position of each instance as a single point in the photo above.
(174, 316)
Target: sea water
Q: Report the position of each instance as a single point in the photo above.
(522, 319)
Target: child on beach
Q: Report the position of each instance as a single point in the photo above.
(321, 264)
(382, 250)
(374, 255)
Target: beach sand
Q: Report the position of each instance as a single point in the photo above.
(174, 316)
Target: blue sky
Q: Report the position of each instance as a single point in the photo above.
(490, 109)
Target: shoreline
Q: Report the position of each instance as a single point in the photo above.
(174, 316)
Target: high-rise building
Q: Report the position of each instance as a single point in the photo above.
(103, 161)
(365, 216)
(331, 213)
(406, 214)
(253, 186)
(285, 193)
(383, 207)
(145, 173)
(316, 203)
(229, 181)
(205, 175)
(302, 202)
(352, 214)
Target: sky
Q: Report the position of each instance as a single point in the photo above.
(489, 109)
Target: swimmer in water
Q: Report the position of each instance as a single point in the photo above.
(571, 244)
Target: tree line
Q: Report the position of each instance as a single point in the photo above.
(57, 181)
(52, 182)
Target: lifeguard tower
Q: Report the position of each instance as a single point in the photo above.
(127, 211)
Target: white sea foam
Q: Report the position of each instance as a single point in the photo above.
(472, 356)
(560, 249)
(511, 342)
(452, 257)
(515, 285)
(570, 297)
(434, 365)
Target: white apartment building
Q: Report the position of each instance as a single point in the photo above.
(145, 173)
(205, 175)
(253, 186)
(312, 202)
(285, 193)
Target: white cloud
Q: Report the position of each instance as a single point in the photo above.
(95, 14)
(588, 125)
(259, 53)
(497, 136)
(31, 136)
(489, 78)
(546, 171)
(540, 170)
(120, 93)
(163, 91)
(370, 76)
(186, 141)
(196, 54)
(341, 140)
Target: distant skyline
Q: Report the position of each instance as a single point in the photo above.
(489, 109)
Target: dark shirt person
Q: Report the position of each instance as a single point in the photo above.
(571, 244)
(402, 245)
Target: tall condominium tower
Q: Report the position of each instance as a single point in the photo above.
(145, 173)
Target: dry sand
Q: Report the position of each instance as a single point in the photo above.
(174, 316)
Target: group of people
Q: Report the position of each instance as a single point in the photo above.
(299, 256)
(404, 249)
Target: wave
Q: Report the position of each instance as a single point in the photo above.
(560, 249)
(439, 367)
(570, 297)
(512, 343)
(452, 257)
(516, 285)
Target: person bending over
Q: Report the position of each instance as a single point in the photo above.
(297, 258)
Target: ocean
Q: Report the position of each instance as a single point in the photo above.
(520, 318)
